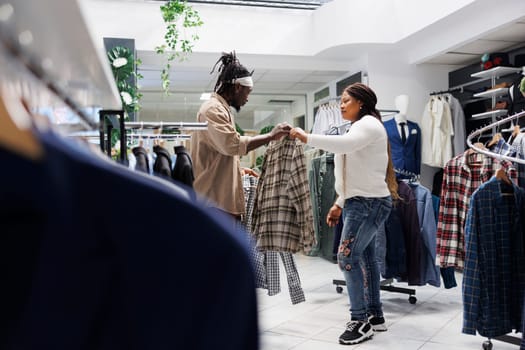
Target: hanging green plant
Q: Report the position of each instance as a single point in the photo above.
(123, 65)
(176, 14)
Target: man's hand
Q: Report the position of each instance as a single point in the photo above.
(280, 130)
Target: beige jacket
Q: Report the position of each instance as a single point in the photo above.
(215, 154)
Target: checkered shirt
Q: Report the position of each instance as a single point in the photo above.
(268, 275)
(518, 145)
(504, 148)
(494, 273)
(459, 182)
(282, 215)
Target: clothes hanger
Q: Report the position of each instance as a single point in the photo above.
(501, 175)
(15, 127)
(495, 139)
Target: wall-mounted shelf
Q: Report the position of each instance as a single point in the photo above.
(490, 114)
(492, 93)
(496, 72)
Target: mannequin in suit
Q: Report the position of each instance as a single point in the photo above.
(405, 138)
(401, 103)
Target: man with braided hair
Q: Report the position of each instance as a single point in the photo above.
(216, 151)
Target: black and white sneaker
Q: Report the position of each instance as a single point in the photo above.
(356, 332)
(378, 323)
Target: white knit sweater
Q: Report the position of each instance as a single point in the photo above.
(361, 159)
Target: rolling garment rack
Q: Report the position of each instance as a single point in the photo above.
(487, 345)
(106, 127)
(385, 284)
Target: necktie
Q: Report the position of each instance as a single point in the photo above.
(403, 134)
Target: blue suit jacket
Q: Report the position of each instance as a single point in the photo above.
(405, 156)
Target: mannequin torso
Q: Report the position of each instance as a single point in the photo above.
(401, 103)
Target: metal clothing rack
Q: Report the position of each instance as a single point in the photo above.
(491, 126)
(487, 345)
(385, 285)
(111, 119)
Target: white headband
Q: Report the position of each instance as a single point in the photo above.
(245, 81)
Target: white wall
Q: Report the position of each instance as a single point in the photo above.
(389, 75)
(389, 78)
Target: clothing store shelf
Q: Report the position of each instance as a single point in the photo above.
(489, 114)
(492, 93)
(496, 72)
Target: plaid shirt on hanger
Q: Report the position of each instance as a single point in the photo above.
(460, 180)
(283, 217)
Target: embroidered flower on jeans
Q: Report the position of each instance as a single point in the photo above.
(348, 267)
(346, 251)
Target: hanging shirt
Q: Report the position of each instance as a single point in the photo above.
(282, 217)
(460, 179)
(427, 221)
(437, 131)
(458, 123)
(494, 274)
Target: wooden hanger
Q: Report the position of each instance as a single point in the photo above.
(15, 132)
(516, 130)
(495, 139)
(501, 174)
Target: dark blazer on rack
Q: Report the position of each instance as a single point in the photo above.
(405, 156)
(162, 165)
(141, 155)
(183, 169)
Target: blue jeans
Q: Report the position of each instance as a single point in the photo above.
(357, 253)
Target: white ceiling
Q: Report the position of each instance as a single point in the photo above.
(190, 78)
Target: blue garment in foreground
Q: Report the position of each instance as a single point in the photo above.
(95, 256)
(494, 273)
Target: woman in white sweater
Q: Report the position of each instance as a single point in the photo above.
(365, 184)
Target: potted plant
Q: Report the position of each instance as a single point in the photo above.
(176, 14)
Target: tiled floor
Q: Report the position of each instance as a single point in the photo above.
(433, 323)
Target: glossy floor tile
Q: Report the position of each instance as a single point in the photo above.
(432, 323)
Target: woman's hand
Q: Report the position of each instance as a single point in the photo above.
(298, 133)
(334, 214)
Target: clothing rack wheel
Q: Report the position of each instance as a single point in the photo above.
(487, 344)
(384, 286)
